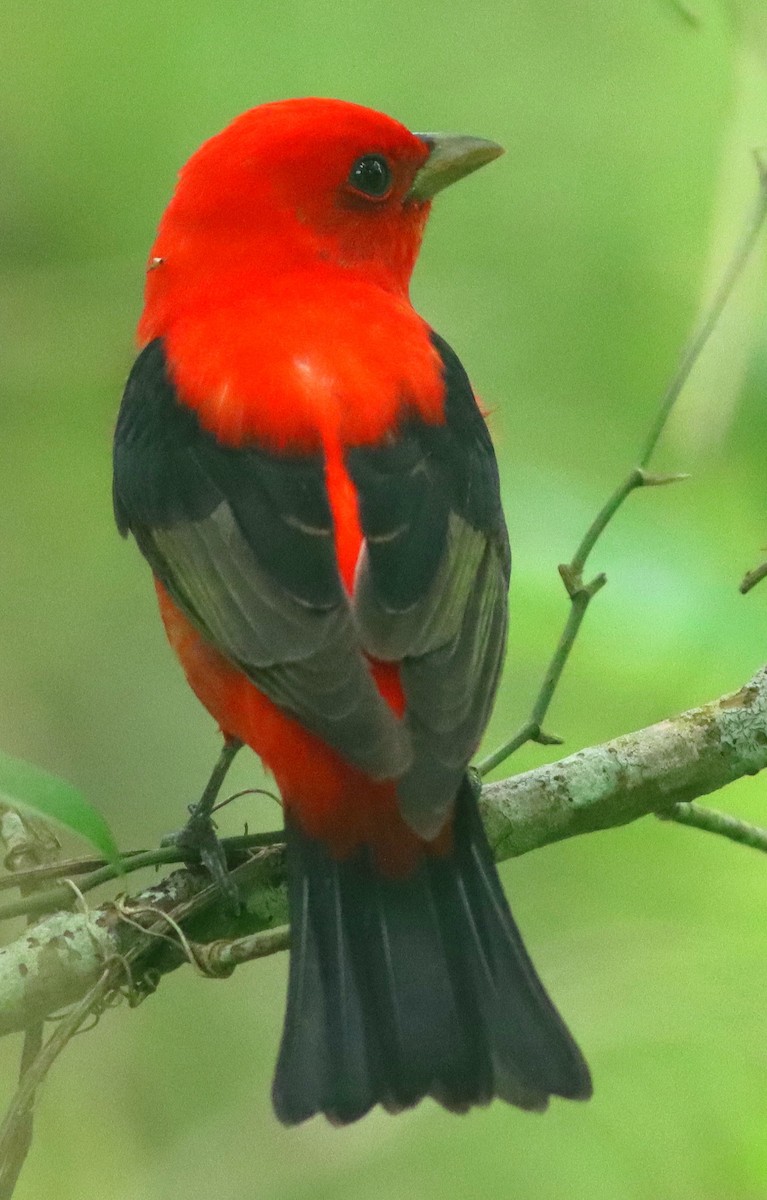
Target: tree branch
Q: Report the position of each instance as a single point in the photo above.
(28, 844)
(650, 771)
(666, 765)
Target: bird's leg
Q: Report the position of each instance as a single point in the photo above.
(199, 834)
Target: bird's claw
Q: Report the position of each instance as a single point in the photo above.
(198, 839)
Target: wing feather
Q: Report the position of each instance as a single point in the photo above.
(431, 587)
(238, 539)
(243, 541)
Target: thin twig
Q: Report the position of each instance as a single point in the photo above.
(251, 791)
(62, 896)
(751, 578)
(581, 593)
(59, 870)
(732, 274)
(220, 958)
(21, 1127)
(24, 1098)
(690, 15)
(712, 820)
(130, 860)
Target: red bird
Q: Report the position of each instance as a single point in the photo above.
(302, 461)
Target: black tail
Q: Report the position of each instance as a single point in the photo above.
(400, 989)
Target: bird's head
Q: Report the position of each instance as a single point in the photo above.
(311, 181)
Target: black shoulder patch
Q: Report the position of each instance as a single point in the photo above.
(169, 470)
(467, 448)
(408, 489)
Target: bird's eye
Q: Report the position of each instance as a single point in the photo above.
(371, 175)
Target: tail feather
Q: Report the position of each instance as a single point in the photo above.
(402, 988)
(423, 1035)
(324, 1063)
(532, 1047)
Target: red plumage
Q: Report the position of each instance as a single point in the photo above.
(303, 463)
(324, 351)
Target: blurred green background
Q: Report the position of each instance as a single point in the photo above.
(567, 276)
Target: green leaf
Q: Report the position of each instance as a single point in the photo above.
(33, 790)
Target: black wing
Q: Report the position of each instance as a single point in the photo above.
(431, 586)
(243, 542)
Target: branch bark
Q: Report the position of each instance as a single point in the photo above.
(675, 761)
(58, 960)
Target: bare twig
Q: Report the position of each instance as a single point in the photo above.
(220, 958)
(581, 592)
(41, 1063)
(14, 1153)
(711, 820)
(732, 274)
(687, 12)
(133, 860)
(751, 578)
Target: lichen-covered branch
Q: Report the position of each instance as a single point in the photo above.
(54, 963)
(28, 843)
(650, 771)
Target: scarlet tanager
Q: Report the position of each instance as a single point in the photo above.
(302, 462)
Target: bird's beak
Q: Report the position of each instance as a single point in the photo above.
(451, 157)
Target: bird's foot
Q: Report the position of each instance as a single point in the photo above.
(198, 837)
(198, 840)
